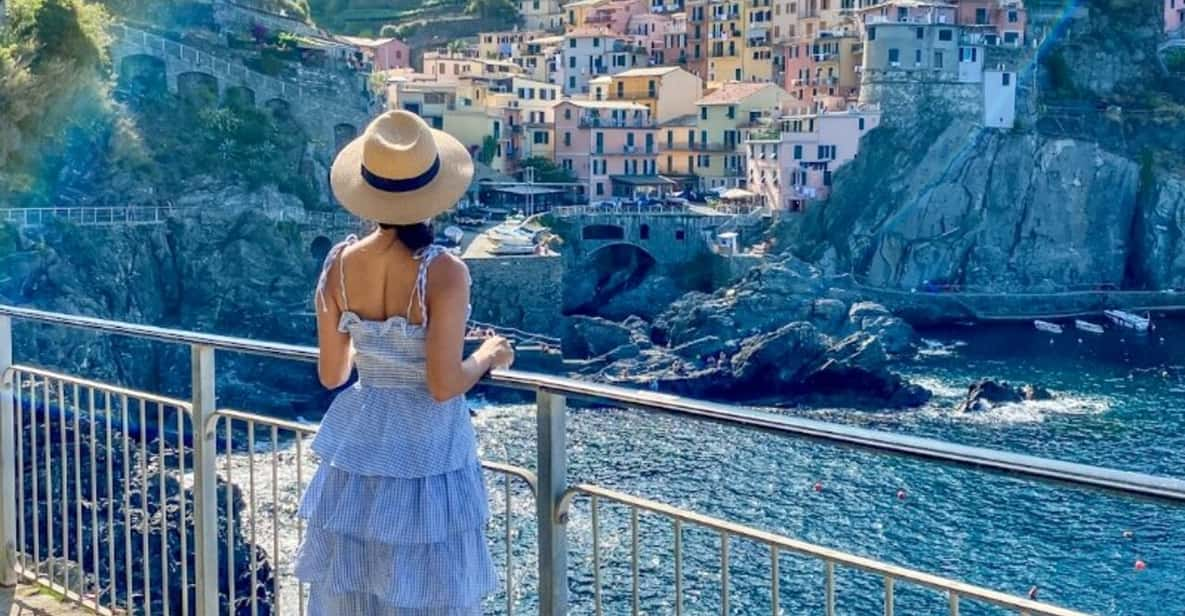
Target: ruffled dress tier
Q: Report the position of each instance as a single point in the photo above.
(395, 515)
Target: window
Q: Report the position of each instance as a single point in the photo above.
(917, 57)
(651, 89)
(629, 139)
(895, 57)
(541, 137)
(872, 34)
(1013, 17)
(566, 164)
(620, 89)
(920, 33)
(1006, 79)
(600, 188)
(649, 142)
(596, 42)
(981, 16)
(644, 232)
(703, 113)
(670, 139)
(1011, 38)
(567, 139)
(732, 112)
(680, 234)
(861, 123)
(571, 43)
(798, 152)
(568, 113)
(571, 61)
(571, 83)
(945, 35)
(690, 164)
(938, 59)
(600, 147)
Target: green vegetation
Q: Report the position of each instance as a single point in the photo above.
(1174, 60)
(1061, 81)
(503, 11)
(51, 53)
(547, 171)
(489, 147)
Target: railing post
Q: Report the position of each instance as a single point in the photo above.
(552, 466)
(205, 497)
(8, 469)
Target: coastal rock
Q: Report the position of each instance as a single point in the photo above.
(593, 336)
(986, 394)
(1161, 235)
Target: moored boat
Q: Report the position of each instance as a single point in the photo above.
(1046, 326)
(1087, 326)
(1129, 320)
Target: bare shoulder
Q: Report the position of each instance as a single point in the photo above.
(448, 271)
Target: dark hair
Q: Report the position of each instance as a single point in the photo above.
(415, 236)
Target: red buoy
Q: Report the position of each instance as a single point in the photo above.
(818, 486)
(901, 494)
(1141, 565)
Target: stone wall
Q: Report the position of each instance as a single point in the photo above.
(518, 291)
(904, 94)
(727, 269)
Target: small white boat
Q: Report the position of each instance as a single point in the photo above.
(1087, 326)
(1046, 326)
(1128, 320)
(512, 245)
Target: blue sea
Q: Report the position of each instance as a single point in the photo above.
(1119, 404)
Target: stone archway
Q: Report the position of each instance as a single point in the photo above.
(198, 89)
(613, 281)
(320, 248)
(342, 135)
(142, 74)
(239, 97)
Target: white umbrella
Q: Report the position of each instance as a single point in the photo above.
(736, 194)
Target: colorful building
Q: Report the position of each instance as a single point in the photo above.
(609, 146)
(918, 37)
(542, 15)
(1174, 15)
(667, 91)
(712, 147)
(823, 66)
(1001, 21)
(382, 54)
(586, 54)
(446, 67)
(795, 165)
(505, 45)
(428, 99)
(613, 15)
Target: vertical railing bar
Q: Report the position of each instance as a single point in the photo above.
(635, 597)
(64, 562)
(78, 495)
(829, 588)
(509, 546)
(299, 520)
(231, 572)
(888, 595)
(8, 569)
(678, 567)
(127, 502)
(181, 506)
(724, 573)
(98, 587)
(144, 559)
(774, 580)
(36, 475)
(110, 499)
(251, 513)
(594, 505)
(47, 450)
(164, 510)
(11, 464)
(205, 483)
(276, 516)
(954, 603)
(552, 466)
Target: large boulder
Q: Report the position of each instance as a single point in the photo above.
(986, 394)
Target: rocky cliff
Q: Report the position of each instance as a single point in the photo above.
(1084, 193)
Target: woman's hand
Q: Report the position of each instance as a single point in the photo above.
(499, 352)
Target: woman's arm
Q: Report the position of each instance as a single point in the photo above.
(336, 358)
(448, 307)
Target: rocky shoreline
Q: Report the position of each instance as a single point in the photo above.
(784, 334)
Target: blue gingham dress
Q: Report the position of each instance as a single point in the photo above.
(396, 512)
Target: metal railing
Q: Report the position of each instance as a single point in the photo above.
(88, 216)
(122, 441)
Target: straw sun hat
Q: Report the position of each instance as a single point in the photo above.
(401, 171)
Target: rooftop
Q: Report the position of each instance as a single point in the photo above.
(649, 71)
(362, 41)
(604, 104)
(683, 120)
(734, 92)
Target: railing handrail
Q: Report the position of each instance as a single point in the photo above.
(1129, 483)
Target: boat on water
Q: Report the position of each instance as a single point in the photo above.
(512, 246)
(1046, 326)
(1087, 326)
(1129, 320)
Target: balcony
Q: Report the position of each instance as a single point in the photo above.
(235, 456)
(588, 122)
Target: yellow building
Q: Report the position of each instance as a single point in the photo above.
(710, 143)
(667, 91)
(737, 37)
(578, 12)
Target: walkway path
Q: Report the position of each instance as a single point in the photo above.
(109, 216)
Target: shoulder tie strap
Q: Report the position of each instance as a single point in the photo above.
(334, 254)
(424, 256)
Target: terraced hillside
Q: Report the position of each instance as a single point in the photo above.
(407, 18)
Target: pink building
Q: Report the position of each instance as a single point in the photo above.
(1174, 15)
(609, 145)
(674, 43)
(383, 54)
(795, 167)
(614, 14)
(1003, 20)
(650, 29)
